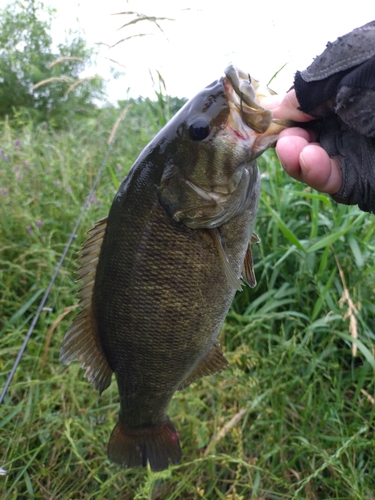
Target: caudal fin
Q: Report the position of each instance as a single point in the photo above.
(133, 447)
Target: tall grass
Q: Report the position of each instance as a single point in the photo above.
(293, 415)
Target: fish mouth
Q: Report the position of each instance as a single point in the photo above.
(244, 94)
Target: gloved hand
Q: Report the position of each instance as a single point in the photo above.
(338, 88)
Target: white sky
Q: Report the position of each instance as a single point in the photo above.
(259, 37)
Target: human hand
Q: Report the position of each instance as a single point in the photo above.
(300, 155)
(338, 91)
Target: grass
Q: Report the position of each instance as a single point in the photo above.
(293, 415)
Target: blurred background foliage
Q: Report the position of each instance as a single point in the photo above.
(28, 56)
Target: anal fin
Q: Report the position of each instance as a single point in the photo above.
(214, 362)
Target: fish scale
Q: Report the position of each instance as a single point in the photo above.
(158, 274)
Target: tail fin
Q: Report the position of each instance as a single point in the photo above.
(135, 446)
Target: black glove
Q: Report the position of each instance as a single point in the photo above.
(338, 89)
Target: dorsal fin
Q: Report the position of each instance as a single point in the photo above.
(248, 274)
(214, 362)
(81, 341)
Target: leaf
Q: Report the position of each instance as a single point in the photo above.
(331, 238)
(357, 254)
(115, 181)
(364, 350)
(289, 235)
(25, 307)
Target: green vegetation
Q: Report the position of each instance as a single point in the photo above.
(293, 415)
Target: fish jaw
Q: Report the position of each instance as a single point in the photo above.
(243, 95)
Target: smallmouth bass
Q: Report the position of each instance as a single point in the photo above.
(159, 273)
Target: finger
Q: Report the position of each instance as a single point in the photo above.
(307, 134)
(320, 171)
(285, 108)
(309, 163)
(289, 149)
(289, 109)
(271, 102)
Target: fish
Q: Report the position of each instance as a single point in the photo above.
(159, 273)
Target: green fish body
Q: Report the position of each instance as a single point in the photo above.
(159, 273)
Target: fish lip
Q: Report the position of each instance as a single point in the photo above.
(243, 97)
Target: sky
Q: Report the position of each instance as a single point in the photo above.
(204, 36)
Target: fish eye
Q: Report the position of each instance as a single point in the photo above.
(199, 130)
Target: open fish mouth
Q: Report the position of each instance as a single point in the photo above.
(243, 94)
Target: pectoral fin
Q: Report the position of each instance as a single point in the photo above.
(233, 281)
(254, 239)
(214, 362)
(248, 274)
(81, 341)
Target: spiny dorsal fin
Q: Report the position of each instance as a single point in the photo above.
(248, 274)
(81, 341)
(229, 273)
(214, 362)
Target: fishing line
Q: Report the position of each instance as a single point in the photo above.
(110, 143)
